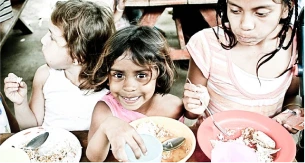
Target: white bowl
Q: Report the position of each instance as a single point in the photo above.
(10, 154)
(154, 150)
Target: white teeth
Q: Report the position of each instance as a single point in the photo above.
(131, 99)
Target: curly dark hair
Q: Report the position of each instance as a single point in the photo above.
(147, 47)
(86, 26)
(221, 12)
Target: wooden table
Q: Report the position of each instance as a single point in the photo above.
(198, 155)
(154, 8)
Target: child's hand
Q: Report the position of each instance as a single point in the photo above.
(15, 89)
(290, 119)
(120, 133)
(195, 98)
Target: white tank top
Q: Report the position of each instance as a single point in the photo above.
(66, 106)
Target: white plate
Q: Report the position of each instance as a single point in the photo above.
(58, 142)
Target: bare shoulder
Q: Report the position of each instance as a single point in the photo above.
(41, 75)
(101, 111)
(171, 105)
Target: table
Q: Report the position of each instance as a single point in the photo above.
(82, 136)
(154, 8)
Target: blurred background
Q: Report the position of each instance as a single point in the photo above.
(21, 53)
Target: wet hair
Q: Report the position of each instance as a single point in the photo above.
(86, 26)
(221, 12)
(146, 47)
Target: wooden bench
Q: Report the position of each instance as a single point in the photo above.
(154, 8)
(14, 22)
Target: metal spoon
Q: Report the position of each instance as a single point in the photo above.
(222, 130)
(37, 141)
(172, 143)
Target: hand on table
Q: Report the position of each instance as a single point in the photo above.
(290, 118)
(15, 90)
(195, 98)
(120, 133)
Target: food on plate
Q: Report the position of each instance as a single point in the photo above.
(60, 146)
(262, 144)
(149, 127)
(61, 151)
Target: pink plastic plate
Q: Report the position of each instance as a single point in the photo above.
(237, 120)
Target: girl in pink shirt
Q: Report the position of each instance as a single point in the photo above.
(247, 62)
(137, 69)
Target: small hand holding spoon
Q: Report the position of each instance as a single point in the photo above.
(37, 141)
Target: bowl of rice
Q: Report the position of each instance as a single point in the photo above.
(166, 128)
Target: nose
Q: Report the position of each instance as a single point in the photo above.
(247, 22)
(130, 84)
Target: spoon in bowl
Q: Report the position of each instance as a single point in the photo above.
(173, 143)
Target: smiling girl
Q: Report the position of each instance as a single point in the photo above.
(137, 69)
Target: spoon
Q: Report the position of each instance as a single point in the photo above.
(222, 130)
(172, 143)
(37, 141)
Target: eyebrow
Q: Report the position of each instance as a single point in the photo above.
(256, 8)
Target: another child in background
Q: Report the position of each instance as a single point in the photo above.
(123, 17)
(62, 95)
(139, 72)
(247, 62)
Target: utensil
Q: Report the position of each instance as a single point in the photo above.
(222, 130)
(173, 143)
(37, 141)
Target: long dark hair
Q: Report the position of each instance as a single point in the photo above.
(147, 47)
(221, 12)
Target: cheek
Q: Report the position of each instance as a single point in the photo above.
(150, 88)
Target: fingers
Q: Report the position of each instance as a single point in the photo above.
(137, 146)
(195, 98)
(290, 129)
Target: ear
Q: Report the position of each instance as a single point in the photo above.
(285, 12)
(75, 62)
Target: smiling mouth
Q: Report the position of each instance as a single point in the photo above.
(130, 99)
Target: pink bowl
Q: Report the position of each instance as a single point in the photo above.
(237, 119)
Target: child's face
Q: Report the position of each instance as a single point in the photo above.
(54, 49)
(131, 84)
(252, 21)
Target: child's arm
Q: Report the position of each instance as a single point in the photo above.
(293, 102)
(195, 95)
(106, 129)
(119, 10)
(28, 115)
